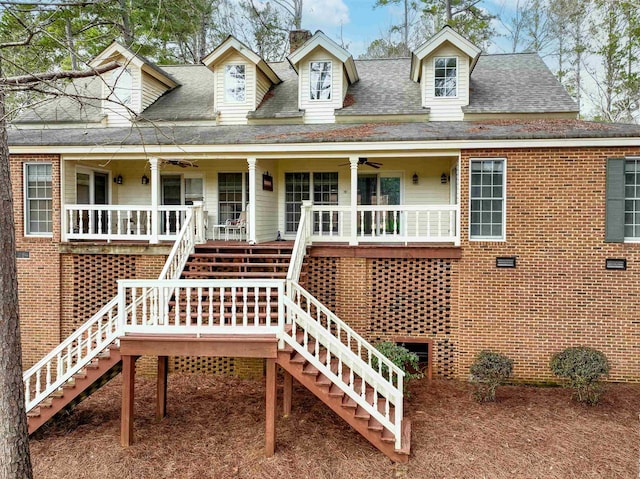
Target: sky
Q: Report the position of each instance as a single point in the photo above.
(357, 23)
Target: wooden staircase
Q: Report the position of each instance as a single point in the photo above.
(96, 374)
(239, 261)
(329, 393)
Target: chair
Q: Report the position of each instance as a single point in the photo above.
(236, 227)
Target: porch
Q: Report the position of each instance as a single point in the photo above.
(400, 201)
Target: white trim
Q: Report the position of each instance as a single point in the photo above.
(320, 100)
(433, 95)
(504, 202)
(319, 39)
(91, 171)
(294, 150)
(25, 200)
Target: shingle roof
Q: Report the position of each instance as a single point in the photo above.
(282, 100)
(191, 100)
(516, 83)
(323, 133)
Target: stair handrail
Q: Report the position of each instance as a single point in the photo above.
(303, 236)
(86, 349)
(362, 345)
(335, 349)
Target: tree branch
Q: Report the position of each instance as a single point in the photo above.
(63, 75)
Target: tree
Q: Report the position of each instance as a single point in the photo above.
(464, 16)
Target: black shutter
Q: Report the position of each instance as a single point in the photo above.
(615, 201)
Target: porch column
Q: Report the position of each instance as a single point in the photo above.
(353, 237)
(155, 195)
(251, 224)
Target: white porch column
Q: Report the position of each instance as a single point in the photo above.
(353, 162)
(251, 224)
(155, 196)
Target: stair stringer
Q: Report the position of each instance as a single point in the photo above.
(93, 377)
(335, 403)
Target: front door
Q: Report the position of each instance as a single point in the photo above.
(367, 195)
(92, 188)
(378, 190)
(171, 195)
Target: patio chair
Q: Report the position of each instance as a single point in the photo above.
(236, 228)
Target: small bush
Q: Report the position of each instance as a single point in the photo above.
(401, 357)
(582, 368)
(488, 371)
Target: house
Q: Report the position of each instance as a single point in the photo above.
(451, 201)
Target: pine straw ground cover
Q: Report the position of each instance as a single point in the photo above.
(215, 429)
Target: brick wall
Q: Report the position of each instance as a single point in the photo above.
(560, 294)
(39, 274)
(389, 298)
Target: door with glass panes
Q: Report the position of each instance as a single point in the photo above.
(301, 186)
(92, 188)
(378, 190)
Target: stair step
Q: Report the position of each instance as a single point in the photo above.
(58, 393)
(232, 274)
(361, 413)
(311, 370)
(323, 381)
(35, 412)
(298, 358)
(374, 424)
(349, 402)
(283, 256)
(335, 391)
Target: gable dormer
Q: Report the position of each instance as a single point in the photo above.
(241, 80)
(130, 89)
(325, 71)
(443, 66)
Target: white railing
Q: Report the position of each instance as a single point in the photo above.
(201, 306)
(303, 238)
(122, 222)
(386, 223)
(93, 337)
(374, 384)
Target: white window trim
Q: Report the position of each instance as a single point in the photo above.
(322, 100)
(200, 176)
(433, 91)
(631, 239)
(228, 99)
(116, 76)
(25, 194)
(495, 239)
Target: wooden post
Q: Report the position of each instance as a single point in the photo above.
(161, 397)
(128, 390)
(270, 403)
(286, 396)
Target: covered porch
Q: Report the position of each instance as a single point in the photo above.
(347, 199)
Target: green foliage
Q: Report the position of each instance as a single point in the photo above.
(488, 371)
(582, 369)
(401, 357)
(465, 17)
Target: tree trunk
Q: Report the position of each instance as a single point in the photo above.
(70, 44)
(127, 32)
(448, 11)
(15, 462)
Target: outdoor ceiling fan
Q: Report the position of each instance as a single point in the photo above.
(365, 161)
(180, 163)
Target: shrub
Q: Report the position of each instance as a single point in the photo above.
(582, 368)
(488, 371)
(401, 357)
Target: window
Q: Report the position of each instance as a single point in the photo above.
(193, 190)
(325, 192)
(320, 80)
(298, 188)
(446, 77)
(296, 191)
(487, 199)
(235, 83)
(632, 199)
(38, 199)
(230, 199)
(122, 85)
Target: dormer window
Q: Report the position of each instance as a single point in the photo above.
(235, 87)
(320, 80)
(446, 77)
(122, 85)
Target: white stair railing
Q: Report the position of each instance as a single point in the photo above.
(357, 378)
(97, 333)
(303, 236)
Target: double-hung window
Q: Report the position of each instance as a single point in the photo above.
(235, 83)
(446, 77)
(632, 199)
(38, 199)
(122, 85)
(299, 187)
(320, 80)
(487, 197)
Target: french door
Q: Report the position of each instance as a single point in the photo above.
(378, 190)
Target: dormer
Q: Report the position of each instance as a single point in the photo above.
(129, 89)
(325, 71)
(241, 80)
(442, 66)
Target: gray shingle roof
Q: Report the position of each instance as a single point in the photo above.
(324, 133)
(516, 83)
(191, 100)
(384, 89)
(282, 100)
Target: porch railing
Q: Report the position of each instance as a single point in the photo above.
(386, 223)
(123, 222)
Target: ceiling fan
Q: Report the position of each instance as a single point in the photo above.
(365, 161)
(180, 163)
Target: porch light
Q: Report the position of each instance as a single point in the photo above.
(415, 178)
(118, 180)
(145, 180)
(444, 178)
